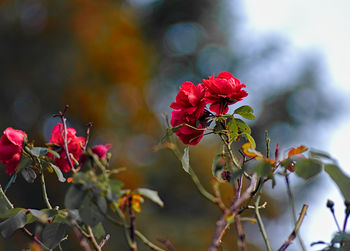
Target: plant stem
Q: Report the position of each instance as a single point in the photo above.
(137, 233)
(46, 199)
(295, 230)
(292, 205)
(261, 224)
(223, 223)
(132, 224)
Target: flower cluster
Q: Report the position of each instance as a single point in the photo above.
(190, 113)
(12, 142)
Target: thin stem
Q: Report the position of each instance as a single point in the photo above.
(345, 221)
(46, 199)
(137, 233)
(195, 179)
(132, 224)
(223, 223)
(93, 239)
(64, 136)
(292, 205)
(87, 137)
(83, 241)
(261, 224)
(295, 230)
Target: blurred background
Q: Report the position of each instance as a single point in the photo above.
(119, 64)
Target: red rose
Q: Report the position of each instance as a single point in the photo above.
(222, 91)
(11, 144)
(75, 146)
(101, 150)
(187, 135)
(190, 99)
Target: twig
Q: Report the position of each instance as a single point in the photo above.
(295, 230)
(87, 137)
(261, 224)
(242, 245)
(93, 239)
(222, 223)
(137, 233)
(46, 199)
(167, 243)
(132, 224)
(64, 136)
(104, 241)
(82, 239)
(292, 205)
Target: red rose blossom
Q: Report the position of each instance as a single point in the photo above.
(222, 91)
(11, 144)
(101, 150)
(186, 134)
(190, 99)
(75, 145)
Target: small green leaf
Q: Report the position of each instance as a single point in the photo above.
(99, 231)
(54, 153)
(233, 129)
(9, 226)
(250, 139)
(245, 111)
(39, 151)
(307, 168)
(58, 172)
(53, 234)
(74, 197)
(89, 212)
(342, 180)
(185, 160)
(28, 174)
(24, 162)
(263, 168)
(242, 126)
(152, 195)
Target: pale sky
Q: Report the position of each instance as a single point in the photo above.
(322, 26)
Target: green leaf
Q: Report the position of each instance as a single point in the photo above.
(263, 168)
(74, 197)
(89, 212)
(233, 129)
(320, 155)
(98, 231)
(28, 174)
(307, 168)
(5, 205)
(250, 139)
(185, 160)
(113, 192)
(152, 195)
(39, 151)
(9, 226)
(24, 162)
(245, 111)
(58, 172)
(54, 153)
(53, 234)
(242, 126)
(342, 180)
(10, 212)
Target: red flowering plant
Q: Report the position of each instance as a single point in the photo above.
(94, 194)
(191, 120)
